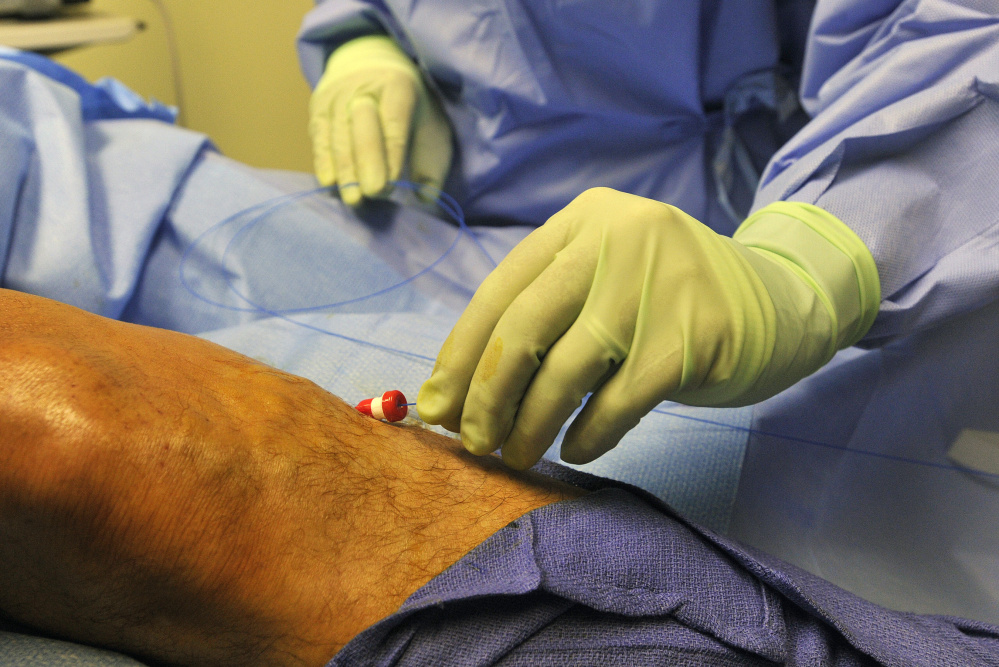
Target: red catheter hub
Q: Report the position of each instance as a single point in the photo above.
(391, 406)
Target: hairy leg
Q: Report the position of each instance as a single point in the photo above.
(172, 499)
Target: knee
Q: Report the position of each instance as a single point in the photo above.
(50, 415)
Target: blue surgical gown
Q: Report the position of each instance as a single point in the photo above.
(883, 112)
(550, 98)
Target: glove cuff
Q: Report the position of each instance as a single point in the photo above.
(827, 256)
(367, 51)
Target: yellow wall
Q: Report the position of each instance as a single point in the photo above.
(241, 80)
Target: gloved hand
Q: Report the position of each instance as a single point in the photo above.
(637, 302)
(370, 105)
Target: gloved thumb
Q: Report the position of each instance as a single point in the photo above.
(430, 156)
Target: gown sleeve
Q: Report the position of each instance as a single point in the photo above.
(903, 146)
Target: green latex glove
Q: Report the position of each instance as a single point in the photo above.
(637, 302)
(370, 110)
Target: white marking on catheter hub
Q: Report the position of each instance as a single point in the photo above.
(391, 406)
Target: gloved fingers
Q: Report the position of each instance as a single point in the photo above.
(368, 144)
(396, 109)
(529, 327)
(619, 404)
(430, 158)
(576, 365)
(343, 155)
(322, 151)
(442, 398)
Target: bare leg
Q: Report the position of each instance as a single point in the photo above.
(172, 499)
